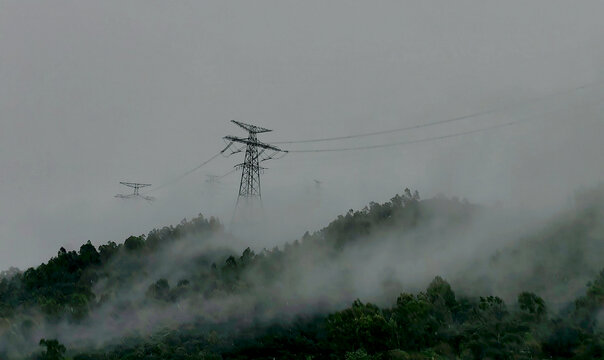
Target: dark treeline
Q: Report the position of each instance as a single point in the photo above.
(173, 295)
(434, 324)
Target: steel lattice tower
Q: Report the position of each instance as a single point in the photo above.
(249, 187)
(136, 187)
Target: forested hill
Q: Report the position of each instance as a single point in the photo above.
(181, 292)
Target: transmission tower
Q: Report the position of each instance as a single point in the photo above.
(136, 187)
(212, 179)
(255, 153)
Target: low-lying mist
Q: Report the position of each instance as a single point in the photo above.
(197, 272)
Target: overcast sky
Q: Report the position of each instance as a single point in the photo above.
(97, 92)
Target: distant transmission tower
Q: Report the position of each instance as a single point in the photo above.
(213, 179)
(255, 153)
(136, 187)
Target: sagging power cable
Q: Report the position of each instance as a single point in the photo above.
(400, 143)
(227, 174)
(189, 172)
(439, 122)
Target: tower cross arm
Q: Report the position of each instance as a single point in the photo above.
(251, 128)
(132, 185)
(253, 143)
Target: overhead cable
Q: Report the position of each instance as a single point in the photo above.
(439, 122)
(400, 143)
(180, 177)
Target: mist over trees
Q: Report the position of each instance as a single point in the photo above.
(363, 287)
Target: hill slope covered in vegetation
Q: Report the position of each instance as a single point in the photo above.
(369, 285)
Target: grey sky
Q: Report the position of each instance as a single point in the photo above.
(94, 92)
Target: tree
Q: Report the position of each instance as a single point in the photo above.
(359, 354)
(440, 290)
(532, 305)
(160, 290)
(134, 243)
(492, 333)
(89, 255)
(54, 350)
(362, 326)
(416, 322)
(107, 251)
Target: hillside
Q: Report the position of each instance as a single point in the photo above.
(183, 292)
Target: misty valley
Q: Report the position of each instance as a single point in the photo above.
(410, 278)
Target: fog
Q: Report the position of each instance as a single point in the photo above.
(488, 250)
(93, 93)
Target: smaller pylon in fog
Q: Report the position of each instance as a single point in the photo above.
(213, 179)
(136, 193)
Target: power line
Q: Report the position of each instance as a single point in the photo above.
(378, 146)
(235, 169)
(189, 172)
(215, 179)
(246, 142)
(381, 132)
(439, 122)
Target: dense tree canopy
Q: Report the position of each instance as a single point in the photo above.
(74, 287)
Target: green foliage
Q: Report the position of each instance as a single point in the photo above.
(134, 243)
(160, 290)
(593, 302)
(54, 350)
(492, 332)
(417, 322)
(433, 324)
(440, 291)
(401, 211)
(361, 326)
(532, 305)
(415, 328)
(359, 354)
